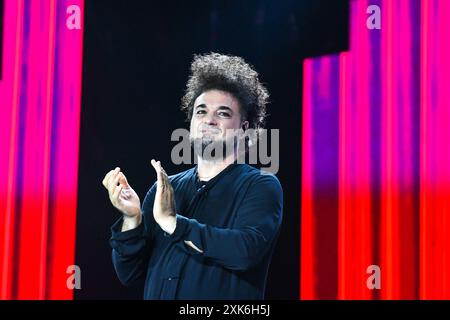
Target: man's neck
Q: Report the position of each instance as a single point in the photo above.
(208, 169)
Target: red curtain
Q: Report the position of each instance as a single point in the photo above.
(40, 92)
(376, 160)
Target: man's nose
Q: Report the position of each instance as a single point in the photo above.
(210, 119)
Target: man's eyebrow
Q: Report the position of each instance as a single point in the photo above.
(225, 108)
(203, 106)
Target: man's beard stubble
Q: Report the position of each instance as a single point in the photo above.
(213, 150)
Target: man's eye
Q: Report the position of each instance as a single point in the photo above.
(200, 112)
(224, 114)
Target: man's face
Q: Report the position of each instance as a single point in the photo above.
(215, 114)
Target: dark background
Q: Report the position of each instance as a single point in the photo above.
(136, 62)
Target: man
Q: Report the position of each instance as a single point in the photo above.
(208, 232)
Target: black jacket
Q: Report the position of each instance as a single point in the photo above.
(233, 219)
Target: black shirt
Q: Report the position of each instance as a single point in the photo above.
(233, 221)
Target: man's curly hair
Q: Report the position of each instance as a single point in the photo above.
(230, 74)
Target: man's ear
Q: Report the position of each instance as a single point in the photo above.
(245, 125)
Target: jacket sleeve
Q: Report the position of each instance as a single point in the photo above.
(243, 246)
(131, 249)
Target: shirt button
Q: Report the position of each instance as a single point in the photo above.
(169, 279)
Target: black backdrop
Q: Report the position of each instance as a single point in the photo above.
(136, 63)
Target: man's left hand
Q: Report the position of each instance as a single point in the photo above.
(164, 205)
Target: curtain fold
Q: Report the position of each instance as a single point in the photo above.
(375, 167)
(40, 92)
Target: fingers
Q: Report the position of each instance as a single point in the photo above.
(106, 178)
(123, 180)
(166, 180)
(111, 174)
(164, 175)
(163, 180)
(159, 183)
(116, 193)
(114, 181)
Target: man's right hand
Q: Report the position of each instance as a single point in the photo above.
(124, 198)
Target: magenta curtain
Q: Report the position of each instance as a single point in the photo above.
(376, 158)
(40, 99)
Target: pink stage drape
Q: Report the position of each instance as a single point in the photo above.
(376, 158)
(40, 92)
